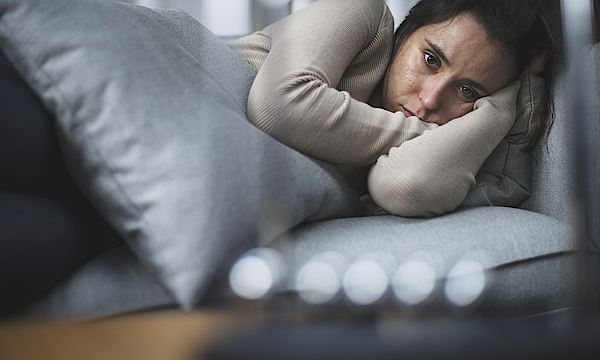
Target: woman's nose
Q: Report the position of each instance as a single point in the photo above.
(431, 95)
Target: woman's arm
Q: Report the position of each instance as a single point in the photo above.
(302, 60)
(431, 174)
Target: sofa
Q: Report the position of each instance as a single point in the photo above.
(150, 116)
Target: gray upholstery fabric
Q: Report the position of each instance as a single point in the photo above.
(505, 177)
(150, 109)
(553, 182)
(529, 257)
(113, 283)
(542, 284)
(529, 260)
(501, 235)
(536, 286)
(553, 166)
(594, 141)
(592, 102)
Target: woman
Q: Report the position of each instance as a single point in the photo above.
(330, 84)
(335, 83)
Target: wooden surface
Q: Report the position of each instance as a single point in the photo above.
(178, 335)
(164, 336)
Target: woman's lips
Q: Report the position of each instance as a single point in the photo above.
(406, 112)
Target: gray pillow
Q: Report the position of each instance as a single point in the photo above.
(505, 177)
(150, 112)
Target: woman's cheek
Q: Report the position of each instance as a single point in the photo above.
(462, 110)
(469, 107)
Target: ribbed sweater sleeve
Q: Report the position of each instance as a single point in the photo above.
(431, 174)
(317, 68)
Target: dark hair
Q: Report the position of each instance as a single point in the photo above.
(519, 26)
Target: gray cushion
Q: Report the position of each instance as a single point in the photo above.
(505, 177)
(150, 111)
(505, 234)
(528, 257)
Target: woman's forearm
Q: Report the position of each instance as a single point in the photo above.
(330, 125)
(317, 68)
(431, 174)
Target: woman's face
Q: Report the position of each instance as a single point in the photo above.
(441, 69)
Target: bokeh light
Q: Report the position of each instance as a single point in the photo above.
(255, 273)
(364, 282)
(413, 282)
(465, 282)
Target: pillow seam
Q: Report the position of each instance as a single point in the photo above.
(520, 139)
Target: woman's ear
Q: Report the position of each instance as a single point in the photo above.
(539, 57)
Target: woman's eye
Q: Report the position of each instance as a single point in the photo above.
(431, 60)
(467, 92)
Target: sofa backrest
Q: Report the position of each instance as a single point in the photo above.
(553, 187)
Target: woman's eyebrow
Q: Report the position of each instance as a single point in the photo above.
(438, 51)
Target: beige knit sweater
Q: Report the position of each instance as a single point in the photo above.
(317, 69)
